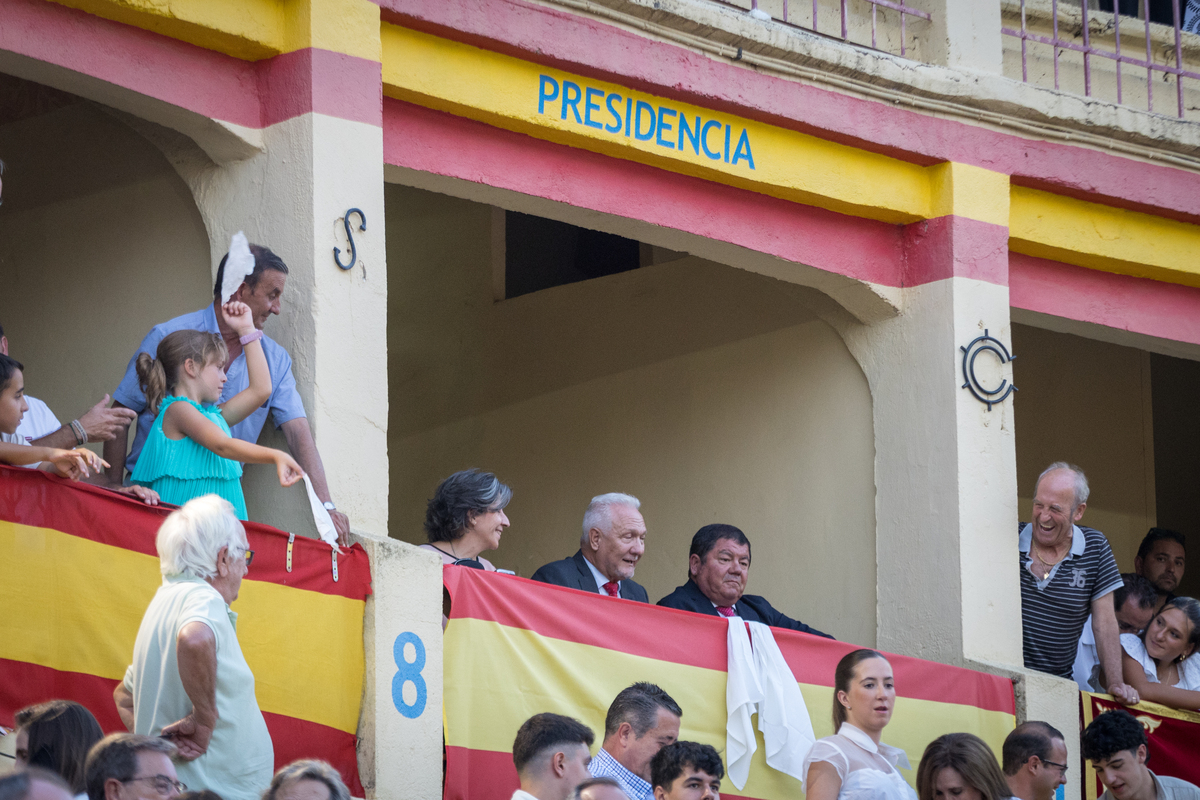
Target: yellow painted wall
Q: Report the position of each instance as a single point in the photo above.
(711, 393)
(1089, 403)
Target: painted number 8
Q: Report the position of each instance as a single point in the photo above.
(409, 672)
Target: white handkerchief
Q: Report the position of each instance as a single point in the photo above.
(238, 265)
(321, 515)
(743, 693)
(782, 715)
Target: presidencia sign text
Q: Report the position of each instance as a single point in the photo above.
(570, 109)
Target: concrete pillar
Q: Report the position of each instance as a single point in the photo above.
(964, 34)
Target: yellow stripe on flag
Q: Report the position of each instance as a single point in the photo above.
(75, 605)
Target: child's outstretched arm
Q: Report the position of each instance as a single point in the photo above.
(241, 405)
(73, 464)
(185, 419)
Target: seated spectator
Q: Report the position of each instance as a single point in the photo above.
(687, 771)
(551, 754)
(124, 766)
(189, 681)
(1161, 557)
(1115, 743)
(614, 538)
(33, 784)
(57, 735)
(1135, 604)
(40, 427)
(854, 762)
(15, 450)
(1067, 572)
(598, 789)
(960, 766)
(718, 571)
(642, 720)
(1160, 663)
(466, 517)
(307, 779)
(1035, 761)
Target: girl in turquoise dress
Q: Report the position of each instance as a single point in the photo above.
(189, 451)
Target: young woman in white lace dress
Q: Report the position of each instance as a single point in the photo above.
(854, 764)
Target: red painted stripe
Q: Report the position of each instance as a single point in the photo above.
(683, 637)
(208, 83)
(1139, 305)
(23, 684)
(587, 46)
(442, 144)
(948, 247)
(36, 498)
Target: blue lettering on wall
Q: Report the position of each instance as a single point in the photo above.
(660, 124)
(409, 672)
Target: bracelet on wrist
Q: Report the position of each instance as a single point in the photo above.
(81, 436)
(253, 336)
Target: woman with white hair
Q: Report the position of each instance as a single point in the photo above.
(189, 681)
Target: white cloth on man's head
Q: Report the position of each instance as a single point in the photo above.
(38, 421)
(760, 681)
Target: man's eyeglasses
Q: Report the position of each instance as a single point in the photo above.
(249, 556)
(1062, 768)
(167, 787)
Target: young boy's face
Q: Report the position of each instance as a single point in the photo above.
(12, 403)
(693, 784)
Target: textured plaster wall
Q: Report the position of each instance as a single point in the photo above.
(99, 241)
(712, 394)
(1089, 403)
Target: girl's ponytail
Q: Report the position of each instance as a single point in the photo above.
(153, 380)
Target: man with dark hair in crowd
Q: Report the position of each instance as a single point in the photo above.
(598, 789)
(613, 540)
(642, 720)
(261, 290)
(687, 771)
(718, 571)
(1115, 743)
(1134, 602)
(1035, 761)
(1067, 572)
(34, 783)
(1160, 559)
(551, 754)
(125, 766)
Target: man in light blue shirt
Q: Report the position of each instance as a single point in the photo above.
(642, 720)
(261, 291)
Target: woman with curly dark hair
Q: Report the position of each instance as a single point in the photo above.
(466, 517)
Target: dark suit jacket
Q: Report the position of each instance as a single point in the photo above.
(573, 572)
(751, 608)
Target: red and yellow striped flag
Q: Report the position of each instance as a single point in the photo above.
(1173, 738)
(515, 648)
(78, 568)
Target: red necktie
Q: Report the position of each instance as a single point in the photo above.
(613, 589)
(726, 611)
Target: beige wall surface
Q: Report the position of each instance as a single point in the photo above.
(710, 393)
(1088, 403)
(99, 241)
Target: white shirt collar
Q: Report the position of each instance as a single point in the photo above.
(599, 576)
(892, 755)
(1078, 540)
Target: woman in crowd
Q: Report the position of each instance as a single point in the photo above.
(466, 517)
(1160, 663)
(56, 735)
(960, 766)
(854, 764)
(189, 451)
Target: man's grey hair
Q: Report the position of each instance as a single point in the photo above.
(1081, 482)
(308, 769)
(190, 539)
(638, 705)
(603, 780)
(599, 511)
(115, 756)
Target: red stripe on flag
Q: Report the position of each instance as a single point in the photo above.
(23, 684)
(36, 498)
(683, 637)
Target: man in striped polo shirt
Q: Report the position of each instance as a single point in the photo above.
(1068, 572)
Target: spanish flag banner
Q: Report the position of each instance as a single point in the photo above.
(1173, 738)
(515, 648)
(78, 568)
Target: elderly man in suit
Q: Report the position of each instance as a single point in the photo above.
(718, 569)
(614, 538)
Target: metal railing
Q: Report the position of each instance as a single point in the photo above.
(1089, 50)
(809, 18)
